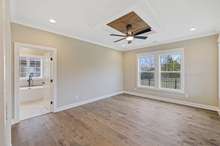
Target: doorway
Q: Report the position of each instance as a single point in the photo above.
(34, 81)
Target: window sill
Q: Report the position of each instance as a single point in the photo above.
(162, 89)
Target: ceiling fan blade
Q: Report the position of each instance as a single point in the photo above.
(143, 31)
(119, 40)
(140, 37)
(118, 35)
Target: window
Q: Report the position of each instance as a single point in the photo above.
(170, 71)
(30, 65)
(147, 70)
(161, 70)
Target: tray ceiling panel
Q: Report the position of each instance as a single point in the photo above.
(132, 18)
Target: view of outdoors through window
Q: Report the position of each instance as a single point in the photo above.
(170, 71)
(166, 73)
(30, 65)
(147, 71)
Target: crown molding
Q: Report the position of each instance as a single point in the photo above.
(122, 49)
(65, 35)
(172, 41)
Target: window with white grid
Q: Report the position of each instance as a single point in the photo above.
(30, 65)
(162, 70)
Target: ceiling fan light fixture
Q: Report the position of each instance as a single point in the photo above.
(130, 38)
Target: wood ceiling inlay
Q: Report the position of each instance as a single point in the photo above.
(132, 18)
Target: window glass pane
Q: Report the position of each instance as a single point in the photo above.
(147, 70)
(22, 74)
(147, 79)
(170, 65)
(170, 62)
(38, 63)
(38, 69)
(147, 63)
(35, 67)
(23, 64)
(170, 80)
(36, 74)
(30, 65)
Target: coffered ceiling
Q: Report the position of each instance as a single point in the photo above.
(87, 20)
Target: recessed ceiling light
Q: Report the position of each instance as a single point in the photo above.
(52, 21)
(192, 29)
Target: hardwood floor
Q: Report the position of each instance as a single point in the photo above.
(122, 120)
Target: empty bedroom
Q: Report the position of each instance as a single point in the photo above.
(110, 73)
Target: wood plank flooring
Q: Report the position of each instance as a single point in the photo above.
(122, 120)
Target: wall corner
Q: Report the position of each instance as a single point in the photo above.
(219, 38)
(219, 73)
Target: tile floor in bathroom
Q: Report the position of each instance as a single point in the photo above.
(33, 109)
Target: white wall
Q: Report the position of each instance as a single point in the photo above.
(85, 70)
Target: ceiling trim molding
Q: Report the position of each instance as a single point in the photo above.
(66, 35)
(122, 49)
(171, 41)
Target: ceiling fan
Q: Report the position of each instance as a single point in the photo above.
(130, 36)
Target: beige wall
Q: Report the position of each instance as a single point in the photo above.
(5, 79)
(201, 71)
(2, 101)
(32, 52)
(84, 70)
(87, 70)
(219, 72)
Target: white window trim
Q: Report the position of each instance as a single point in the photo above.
(181, 71)
(157, 86)
(41, 60)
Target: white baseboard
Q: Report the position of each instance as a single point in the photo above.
(176, 101)
(65, 107)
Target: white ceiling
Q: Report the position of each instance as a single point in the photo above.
(87, 19)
